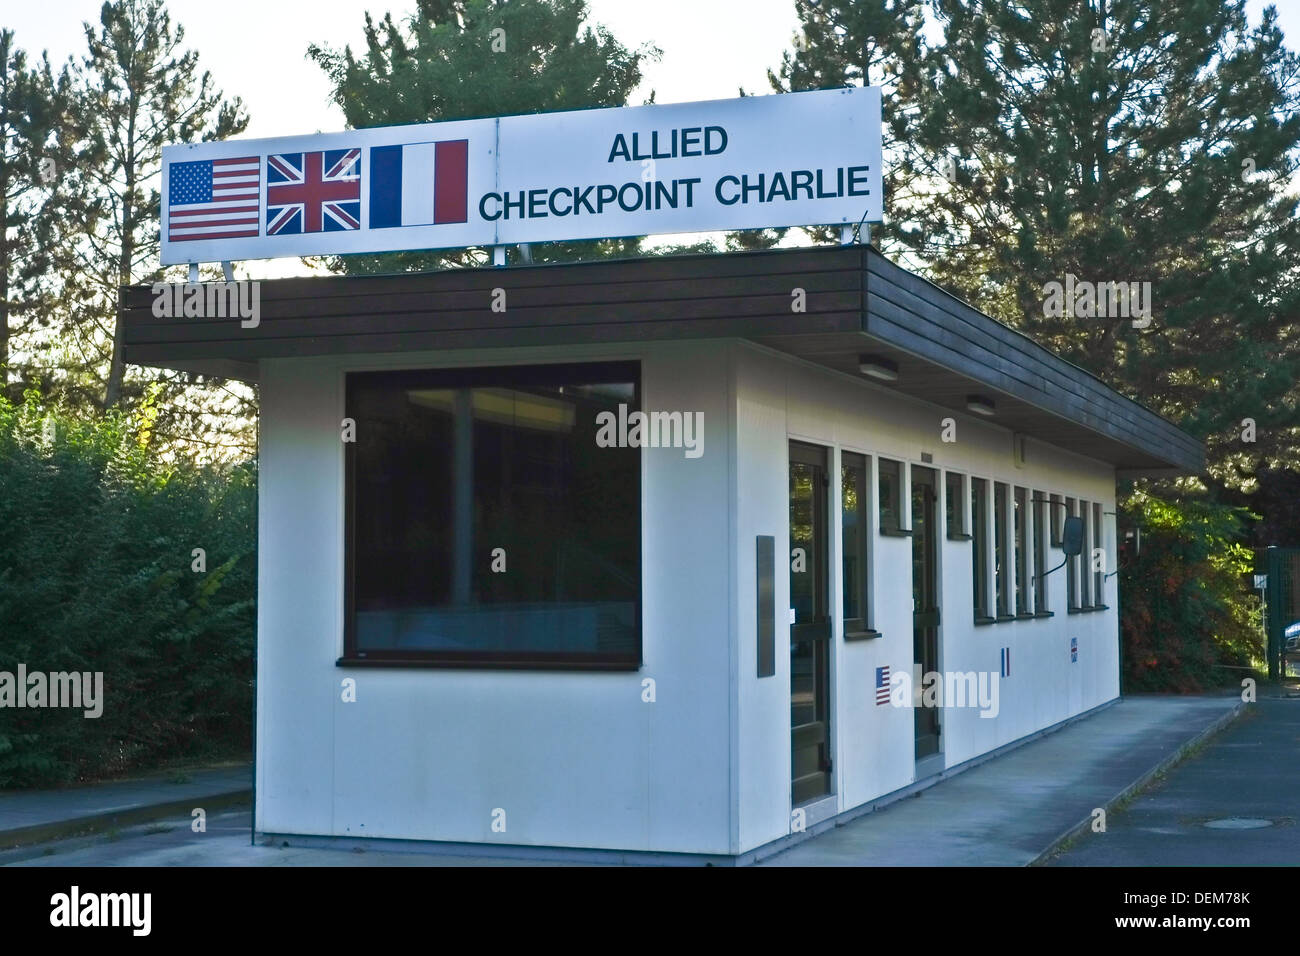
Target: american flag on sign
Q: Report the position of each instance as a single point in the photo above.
(213, 198)
(313, 192)
(882, 685)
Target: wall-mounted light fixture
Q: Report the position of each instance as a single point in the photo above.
(877, 366)
(980, 405)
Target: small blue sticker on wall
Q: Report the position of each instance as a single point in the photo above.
(1074, 650)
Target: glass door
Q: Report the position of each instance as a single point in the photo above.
(810, 625)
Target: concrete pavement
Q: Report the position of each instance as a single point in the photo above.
(1010, 810)
(1234, 803)
(35, 816)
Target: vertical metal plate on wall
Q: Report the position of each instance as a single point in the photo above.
(765, 548)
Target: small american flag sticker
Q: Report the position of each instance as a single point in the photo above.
(882, 685)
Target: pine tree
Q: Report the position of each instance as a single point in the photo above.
(1129, 141)
(463, 59)
(32, 102)
(880, 43)
(142, 91)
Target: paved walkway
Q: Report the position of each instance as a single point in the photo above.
(1008, 811)
(31, 816)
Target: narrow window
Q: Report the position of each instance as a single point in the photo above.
(1001, 565)
(1084, 560)
(1071, 567)
(854, 481)
(890, 496)
(955, 506)
(979, 499)
(1056, 513)
(1098, 575)
(1019, 530)
(1040, 536)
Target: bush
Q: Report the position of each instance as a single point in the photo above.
(96, 541)
(1183, 609)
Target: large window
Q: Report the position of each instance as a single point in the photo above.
(855, 479)
(1020, 532)
(486, 525)
(1001, 564)
(979, 500)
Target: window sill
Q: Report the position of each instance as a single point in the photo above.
(1002, 618)
(960, 537)
(1025, 617)
(896, 532)
(867, 635)
(486, 664)
(1089, 608)
(982, 621)
(1044, 614)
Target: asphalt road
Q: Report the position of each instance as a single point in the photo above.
(1247, 776)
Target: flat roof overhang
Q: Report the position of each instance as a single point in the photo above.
(856, 302)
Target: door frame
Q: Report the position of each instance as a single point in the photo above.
(822, 629)
(930, 762)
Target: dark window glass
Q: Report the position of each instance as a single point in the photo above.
(1056, 517)
(954, 504)
(1001, 566)
(1084, 560)
(1040, 538)
(1071, 567)
(1019, 517)
(487, 525)
(980, 544)
(890, 495)
(1098, 576)
(854, 481)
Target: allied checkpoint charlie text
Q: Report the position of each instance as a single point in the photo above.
(650, 193)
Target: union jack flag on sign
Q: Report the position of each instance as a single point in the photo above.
(313, 192)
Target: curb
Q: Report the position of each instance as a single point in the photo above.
(99, 822)
(1176, 757)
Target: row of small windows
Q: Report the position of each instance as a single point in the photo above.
(1011, 530)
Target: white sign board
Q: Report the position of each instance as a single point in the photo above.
(785, 160)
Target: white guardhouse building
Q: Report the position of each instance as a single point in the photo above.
(507, 610)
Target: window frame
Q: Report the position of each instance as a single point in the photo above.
(487, 377)
(1098, 577)
(955, 506)
(1071, 566)
(1003, 572)
(979, 491)
(1042, 542)
(894, 527)
(858, 627)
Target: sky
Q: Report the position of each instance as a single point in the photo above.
(256, 49)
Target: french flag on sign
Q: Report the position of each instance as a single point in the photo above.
(420, 184)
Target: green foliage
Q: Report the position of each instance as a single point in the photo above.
(1183, 608)
(96, 541)
(463, 59)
